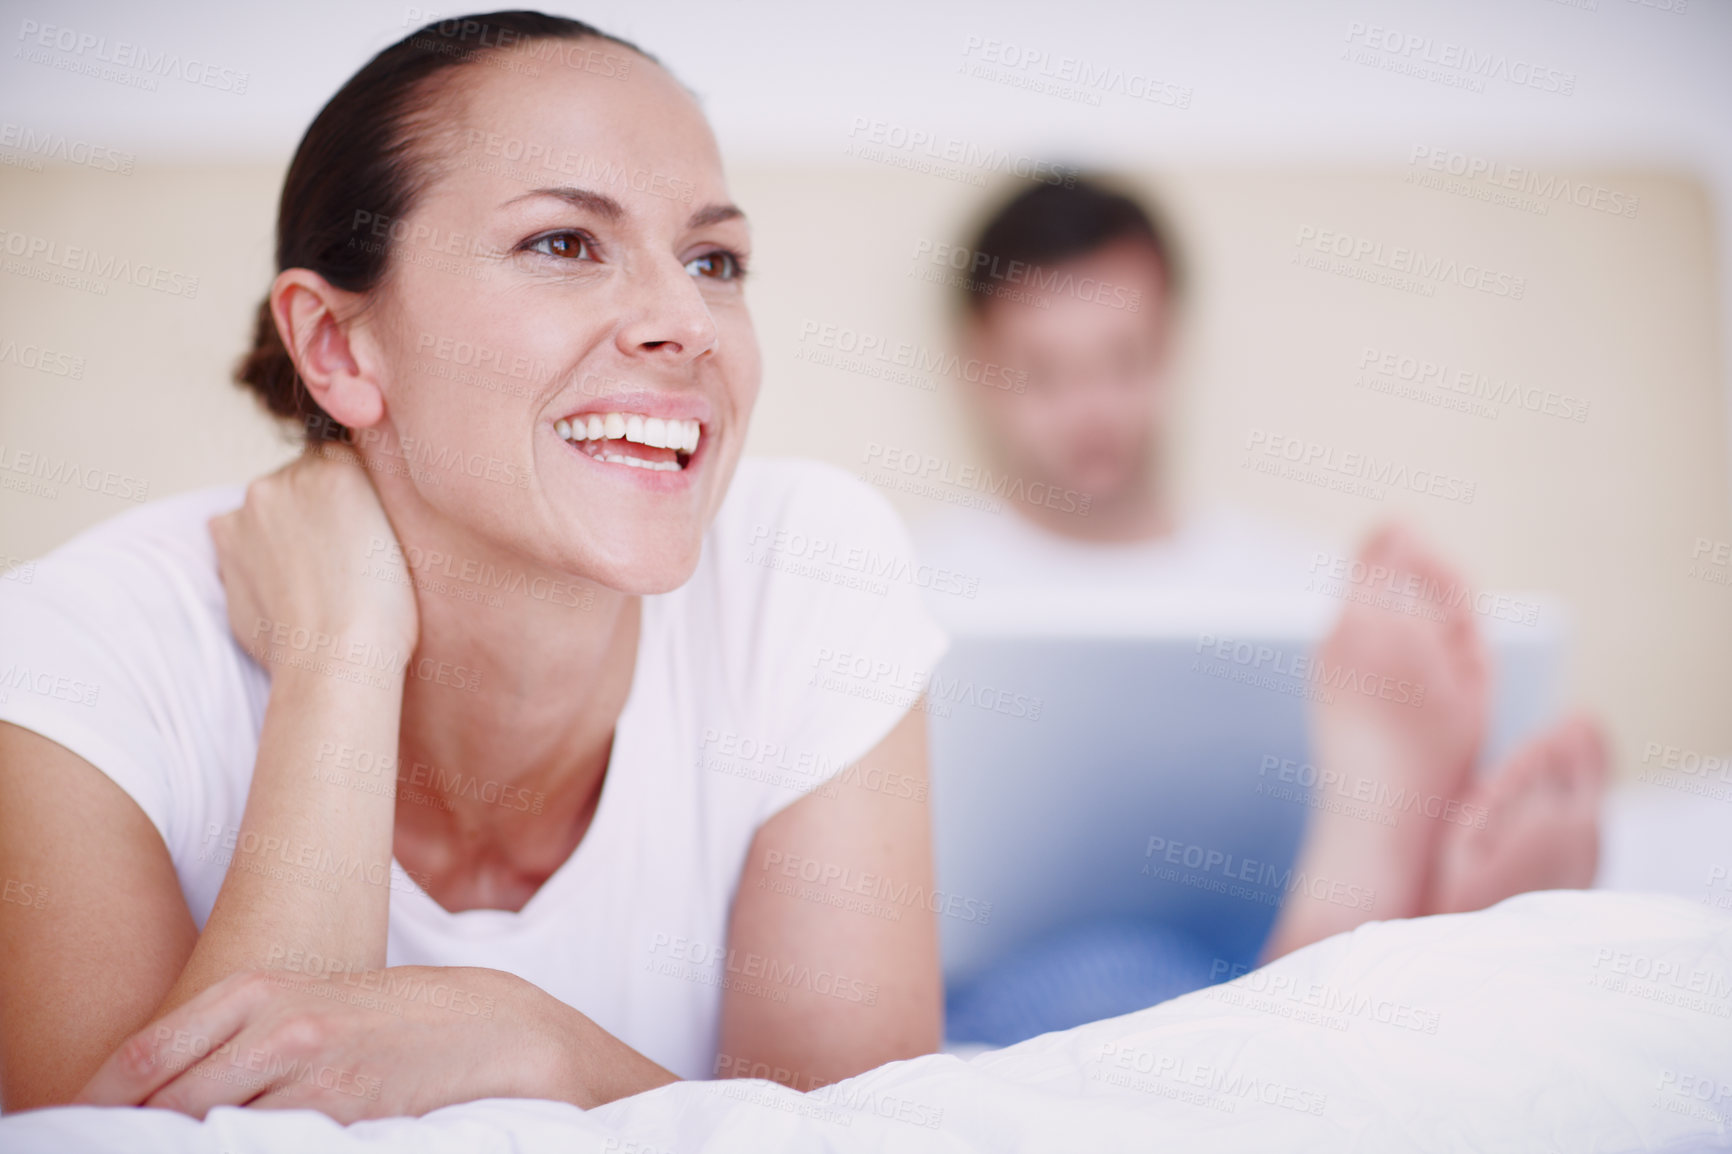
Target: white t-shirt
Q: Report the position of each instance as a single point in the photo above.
(756, 681)
(1210, 552)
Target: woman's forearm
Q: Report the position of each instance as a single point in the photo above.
(310, 871)
(578, 1061)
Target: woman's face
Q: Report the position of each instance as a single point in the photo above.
(563, 342)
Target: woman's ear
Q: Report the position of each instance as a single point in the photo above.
(313, 318)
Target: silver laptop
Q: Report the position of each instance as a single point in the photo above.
(1106, 757)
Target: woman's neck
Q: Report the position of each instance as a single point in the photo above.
(523, 692)
(513, 693)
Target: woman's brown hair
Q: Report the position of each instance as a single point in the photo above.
(357, 166)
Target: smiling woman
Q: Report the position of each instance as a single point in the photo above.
(418, 772)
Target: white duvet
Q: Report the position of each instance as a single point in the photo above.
(1559, 1021)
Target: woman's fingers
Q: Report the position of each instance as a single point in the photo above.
(274, 1055)
(157, 1054)
(295, 555)
(223, 1077)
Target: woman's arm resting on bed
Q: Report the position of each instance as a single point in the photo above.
(834, 909)
(381, 1043)
(95, 930)
(113, 945)
(118, 947)
(94, 933)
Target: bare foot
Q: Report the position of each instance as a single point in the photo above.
(1406, 674)
(1534, 824)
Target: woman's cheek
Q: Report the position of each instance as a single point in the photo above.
(746, 374)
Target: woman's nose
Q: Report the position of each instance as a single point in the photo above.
(668, 317)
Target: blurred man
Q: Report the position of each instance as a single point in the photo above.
(1075, 297)
(1074, 294)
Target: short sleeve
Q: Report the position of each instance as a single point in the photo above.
(116, 646)
(826, 602)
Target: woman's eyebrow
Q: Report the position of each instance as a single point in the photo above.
(599, 203)
(610, 209)
(714, 214)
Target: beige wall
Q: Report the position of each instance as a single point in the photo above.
(1618, 312)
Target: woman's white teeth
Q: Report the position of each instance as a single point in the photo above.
(655, 432)
(637, 462)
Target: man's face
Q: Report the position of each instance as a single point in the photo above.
(1096, 401)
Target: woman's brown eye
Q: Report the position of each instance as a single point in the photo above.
(714, 265)
(566, 245)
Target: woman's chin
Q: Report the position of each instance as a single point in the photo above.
(639, 571)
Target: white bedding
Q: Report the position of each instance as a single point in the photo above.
(1560, 1021)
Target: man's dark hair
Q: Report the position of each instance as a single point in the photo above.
(1050, 224)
